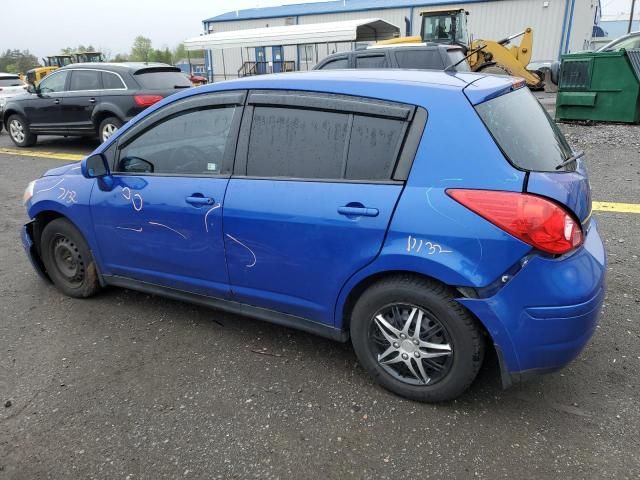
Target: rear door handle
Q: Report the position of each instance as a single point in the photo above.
(199, 201)
(92, 100)
(57, 101)
(358, 211)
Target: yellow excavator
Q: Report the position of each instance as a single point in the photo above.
(53, 62)
(501, 57)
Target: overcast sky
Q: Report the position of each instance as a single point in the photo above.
(44, 26)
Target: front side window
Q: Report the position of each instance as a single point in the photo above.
(336, 64)
(190, 143)
(54, 82)
(84, 80)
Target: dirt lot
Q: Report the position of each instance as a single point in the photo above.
(130, 386)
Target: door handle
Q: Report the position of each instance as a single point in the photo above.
(199, 201)
(358, 211)
(92, 100)
(57, 101)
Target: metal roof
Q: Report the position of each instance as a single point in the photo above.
(365, 30)
(337, 6)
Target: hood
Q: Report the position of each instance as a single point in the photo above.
(63, 170)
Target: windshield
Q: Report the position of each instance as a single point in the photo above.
(162, 80)
(449, 27)
(524, 131)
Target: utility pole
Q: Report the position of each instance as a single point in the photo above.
(633, 6)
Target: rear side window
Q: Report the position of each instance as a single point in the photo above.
(336, 64)
(373, 147)
(162, 79)
(296, 143)
(419, 59)
(84, 80)
(314, 144)
(524, 131)
(111, 81)
(371, 61)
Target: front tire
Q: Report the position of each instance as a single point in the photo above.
(19, 132)
(415, 340)
(108, 127)
(68, 260)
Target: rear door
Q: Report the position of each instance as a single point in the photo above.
(80, 99)
(371, 60)
(538, 147)
(311, 197)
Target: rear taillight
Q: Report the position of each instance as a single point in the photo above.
(535, 220)
(146, 100)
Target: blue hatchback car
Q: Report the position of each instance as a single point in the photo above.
(426, 216)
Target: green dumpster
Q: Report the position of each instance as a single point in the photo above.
(600, 86)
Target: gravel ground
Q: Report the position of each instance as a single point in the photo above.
(131, 386)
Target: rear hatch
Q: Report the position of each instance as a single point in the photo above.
(11, 85)
(532, 142)
(161, 80)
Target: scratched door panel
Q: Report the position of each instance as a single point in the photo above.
(147, 230)
(288, 247)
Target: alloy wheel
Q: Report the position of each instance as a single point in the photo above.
(411, 344)
(16, 129)
(108, 130)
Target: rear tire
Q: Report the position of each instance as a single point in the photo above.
(19, 132)
(439, 362)
(108, 127)
(67, 259)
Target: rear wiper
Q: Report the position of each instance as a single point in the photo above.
(572, 158)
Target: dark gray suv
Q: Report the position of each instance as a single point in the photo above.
(422, 56)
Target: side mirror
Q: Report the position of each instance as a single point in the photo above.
(31, 88)
(95, 166)
(135, 165)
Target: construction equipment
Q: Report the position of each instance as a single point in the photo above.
(449, 26)
(53, 62)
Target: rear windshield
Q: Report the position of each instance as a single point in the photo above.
(162, 80)
(524, 131)
(10, 82)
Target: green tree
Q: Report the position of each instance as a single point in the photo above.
(121, 57)
(17, 61)
(141, 51)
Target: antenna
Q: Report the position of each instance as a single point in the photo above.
(451, 68)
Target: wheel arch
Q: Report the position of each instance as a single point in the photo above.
(99, 115)
(8, 113)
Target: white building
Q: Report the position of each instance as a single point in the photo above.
(560, 26)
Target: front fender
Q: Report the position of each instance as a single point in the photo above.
(68, 196)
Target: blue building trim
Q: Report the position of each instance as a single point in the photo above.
(564, 27)
(339, 6)
(566, 43)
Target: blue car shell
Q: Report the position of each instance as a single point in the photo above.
(300, 252)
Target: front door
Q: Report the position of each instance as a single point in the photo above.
(277, 56)
(261, 61)
(310, 200)
(43, 110)
(80, 100)
(162, 220)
